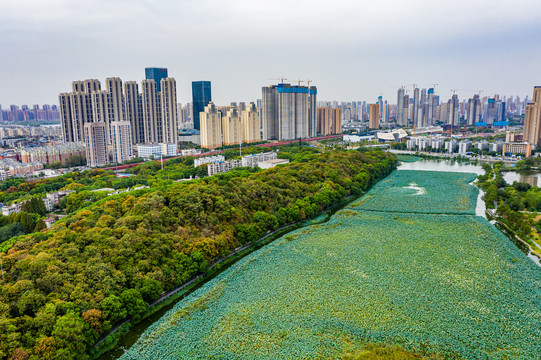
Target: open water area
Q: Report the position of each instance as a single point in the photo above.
(422, 165)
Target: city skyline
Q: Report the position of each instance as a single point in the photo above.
(350, 50)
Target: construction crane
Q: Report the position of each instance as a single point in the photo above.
(299, 81)
(414, 86)
(281, 79)
(455, 90)
(433, 85)
(308, 82)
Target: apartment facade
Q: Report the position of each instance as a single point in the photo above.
(289, 112)
(211, 127)
(95, 135)
(532, 119)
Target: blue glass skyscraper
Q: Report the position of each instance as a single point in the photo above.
(156, 74)
(201, 97)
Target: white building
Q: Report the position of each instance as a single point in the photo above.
(482, 145)
(156, 150)
(497, 147)
(95, 136)
(451, 146)
(11, 209)
(411, 144)
(464, 146)
(222, 166)
(208, 160)
(437, 143)
(147, 151)
(267, 164)
(254, 159)
(54, 198)
(169, 149)
(190, 152)
(121, 138)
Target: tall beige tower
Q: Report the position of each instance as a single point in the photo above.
(151, 111)
(100, 111)
(169, 115)
(211, 127)
(66, 118)
(134, 111)
(96, 143)
(76, 109)
(122, 141)
(116, 99)
(232, 128)
(336, 121)
(324, 117)
(532, 119)
(86, 86)
(250, 124)
(373, 119)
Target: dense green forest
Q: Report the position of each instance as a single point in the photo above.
(517, 205)
(110, 258)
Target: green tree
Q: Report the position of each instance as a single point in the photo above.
(133, 302)
(201, 171)
(113, 307)
(151, 289)
(34, 205)
(69, 337)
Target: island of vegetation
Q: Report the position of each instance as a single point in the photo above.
(111, 255)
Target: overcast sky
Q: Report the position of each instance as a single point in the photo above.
(350, 49)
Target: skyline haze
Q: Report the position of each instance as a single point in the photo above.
(350, 50)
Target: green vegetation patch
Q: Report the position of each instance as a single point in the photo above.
(407, 158)
(432, 192)
(437, 285)
(111, 257)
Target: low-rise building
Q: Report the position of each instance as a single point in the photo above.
(267, 164)
(169, 149)
(60, 153)
(208, 160)
(222, 166)
(49, 222)
(511, 137)
(11, 209)
(190, 152)
(10, 168)
(146, 151)
(517, 148)
(53, 199)
(254, 159)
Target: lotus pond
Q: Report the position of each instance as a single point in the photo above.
(451, 285)
(431, 192)
(407, 158)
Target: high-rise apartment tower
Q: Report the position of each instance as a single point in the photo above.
(201, 97)
(532, 119)
(156, 74)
